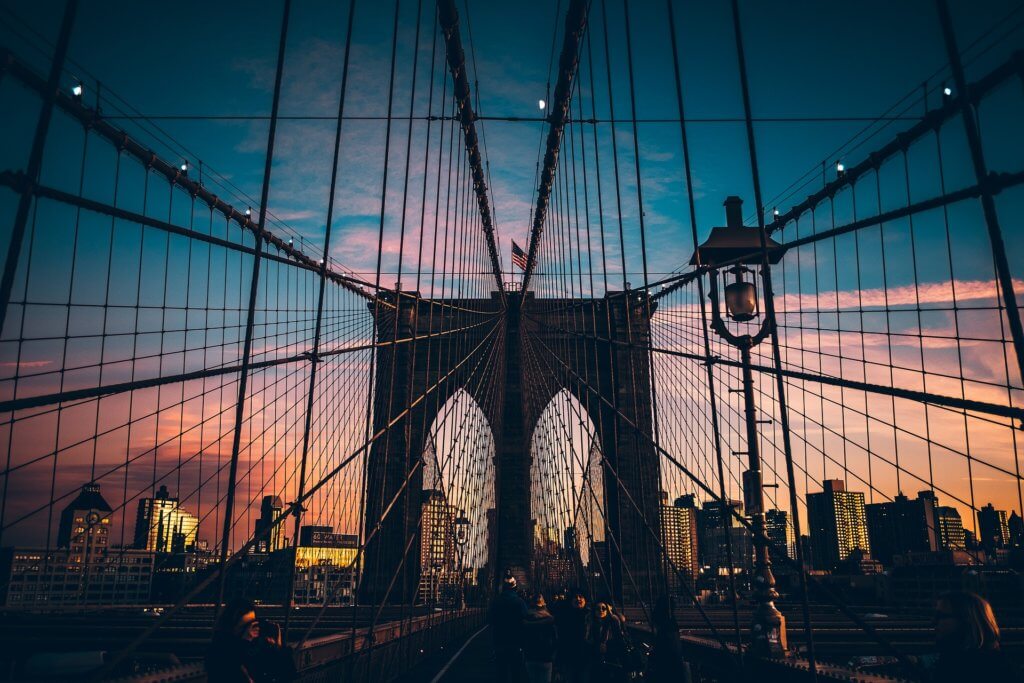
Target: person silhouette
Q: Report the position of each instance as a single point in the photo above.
(967, 640)
(507, 614)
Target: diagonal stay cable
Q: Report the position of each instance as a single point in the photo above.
(287, 512)
(866, 627)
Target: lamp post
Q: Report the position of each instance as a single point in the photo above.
(734, 248)
(461, 539)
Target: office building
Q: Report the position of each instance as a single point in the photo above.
(902, 525)
(837, 524)
(269, 537)
(64, 577)
(1016, 527)
(721, 532)
(83, 569)
(780, 533)
(951, 528)
(679, 540)
(85, 525)
(325, 573)
(437, 546)
(161, 525)
(993, 529)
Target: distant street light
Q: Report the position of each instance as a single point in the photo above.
(462, 525)
(541, 104)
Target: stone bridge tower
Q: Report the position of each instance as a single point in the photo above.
(597, 349)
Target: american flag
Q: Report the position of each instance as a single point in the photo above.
(518, 256)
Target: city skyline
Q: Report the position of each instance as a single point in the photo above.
(380, 310)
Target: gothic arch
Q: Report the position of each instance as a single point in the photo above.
(605, 368)
(458, 448)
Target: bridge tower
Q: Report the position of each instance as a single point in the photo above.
(597, 349)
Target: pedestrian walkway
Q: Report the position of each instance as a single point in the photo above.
(470, 660)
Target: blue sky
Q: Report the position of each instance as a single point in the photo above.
(806, 59)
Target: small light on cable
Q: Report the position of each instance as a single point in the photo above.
(840, 168)
(77, 90)
(776, 213)
(541, 104)
(290, 241)
(947, 91)
(248, 211)
(184, 167)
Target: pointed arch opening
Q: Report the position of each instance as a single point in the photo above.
(567, 502)
(458, 503)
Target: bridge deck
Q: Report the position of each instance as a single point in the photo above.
(469, 660)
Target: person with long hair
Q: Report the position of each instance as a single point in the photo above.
(609, 644)
(967, 637)
(245, 649)
(574, 647)
(230, 657)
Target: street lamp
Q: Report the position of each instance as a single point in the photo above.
(462, 530)
(734, 249)
(461, 539)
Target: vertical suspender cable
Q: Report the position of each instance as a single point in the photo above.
(314, 357)
(648, 312)
(773, 326)
(35, 159)
(715, 427)
(376, 302)
(250, 320)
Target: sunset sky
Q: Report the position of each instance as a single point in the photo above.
(202, 75)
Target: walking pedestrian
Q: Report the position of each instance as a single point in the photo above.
(540, 639)
(574, 657)
(508, 612)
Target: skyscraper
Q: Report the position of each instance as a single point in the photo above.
(1016, 526)
(951, 528)
(902, 525)
(780, 533)
(85, 525)
(837, 524)
(993, 530)
(437, 544)
(679, 539)
(161, 525)
(273, 539)
(720, 531)
(592, 496)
